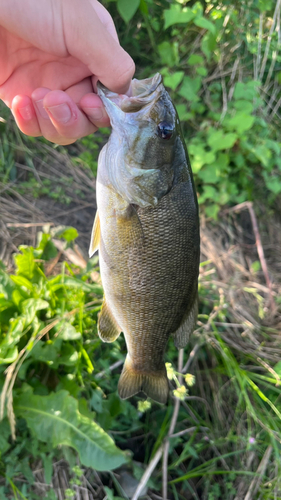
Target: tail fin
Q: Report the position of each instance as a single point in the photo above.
(153, 384)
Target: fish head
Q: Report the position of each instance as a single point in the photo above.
(145, 122)
(142, 145)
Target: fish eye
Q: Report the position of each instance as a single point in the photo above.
(165, 130)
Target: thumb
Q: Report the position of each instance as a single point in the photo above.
(90, 36)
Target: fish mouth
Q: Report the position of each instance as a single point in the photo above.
(141, 93)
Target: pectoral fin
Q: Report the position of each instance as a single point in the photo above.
(108, 329)
(182, 334)
(95, 237)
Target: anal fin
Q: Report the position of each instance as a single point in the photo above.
(95, 237)
(154, 384)
(182, 334)
(108, 329)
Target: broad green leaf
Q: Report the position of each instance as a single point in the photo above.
(25, 262)
(173, 80)
(68, 355)
(243, 105)
(263, 153)
(195, 59)
(143, 7)
(10, 355)
(6, 285)
(66, 232)
(202, 22)
(199, 157)
(209, 193)
(8, 349)
(177, 15)
(273, 183)
(217, 140)
(247, 91)
(86, 287)
(240, 122)
(5, 304)
(202, 71)
(208, 45)
(127, 8)
(56, 419)
(190, 88)
(30, 308)
(184, 115)
(169, 53)
(212, 211)
(22, 281)
(68, 332)
(209, 174)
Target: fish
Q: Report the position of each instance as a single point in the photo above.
(146, 230)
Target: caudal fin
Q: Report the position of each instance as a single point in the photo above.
(154, 384)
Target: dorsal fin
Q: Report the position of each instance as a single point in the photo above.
(95, 238)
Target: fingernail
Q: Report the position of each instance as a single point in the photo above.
(95, 113)
(26, 112)
(61, 113)
(41, 110)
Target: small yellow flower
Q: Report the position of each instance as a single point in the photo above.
(144, 406)
(189, 379)
(180, 392)
(170, 371)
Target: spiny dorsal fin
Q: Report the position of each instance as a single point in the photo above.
(95, 238)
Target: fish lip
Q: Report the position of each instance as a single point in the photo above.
(142, 93)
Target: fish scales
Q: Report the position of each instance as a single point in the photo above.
(148, 237)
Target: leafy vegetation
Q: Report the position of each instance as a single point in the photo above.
(219, 435)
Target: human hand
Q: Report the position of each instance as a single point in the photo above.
(52, 53)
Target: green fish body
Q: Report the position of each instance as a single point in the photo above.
(147, 233)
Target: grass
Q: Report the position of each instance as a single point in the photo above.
(219, 435)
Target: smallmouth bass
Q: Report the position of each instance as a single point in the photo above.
(147, 232)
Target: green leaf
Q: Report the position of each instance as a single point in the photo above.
(202, 22)
(184, 115)
(246, 91)
(25, 262)
(199, 157)
(243, 105)
(240, 122)
(68, 332)
(55, 419)
(22, 281)
(173, 80)
(195, 59)
(68, 233)
(217, 140)
(208, 44)
(190, 88)
(169, 53)
(127, 8)
(30, 308)
(209, 193)
(202, 71)
(209, 174)
(212, 211)
(10, 356)
(272, 182)
(143, 7)
(176, 15)
(86, 287)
